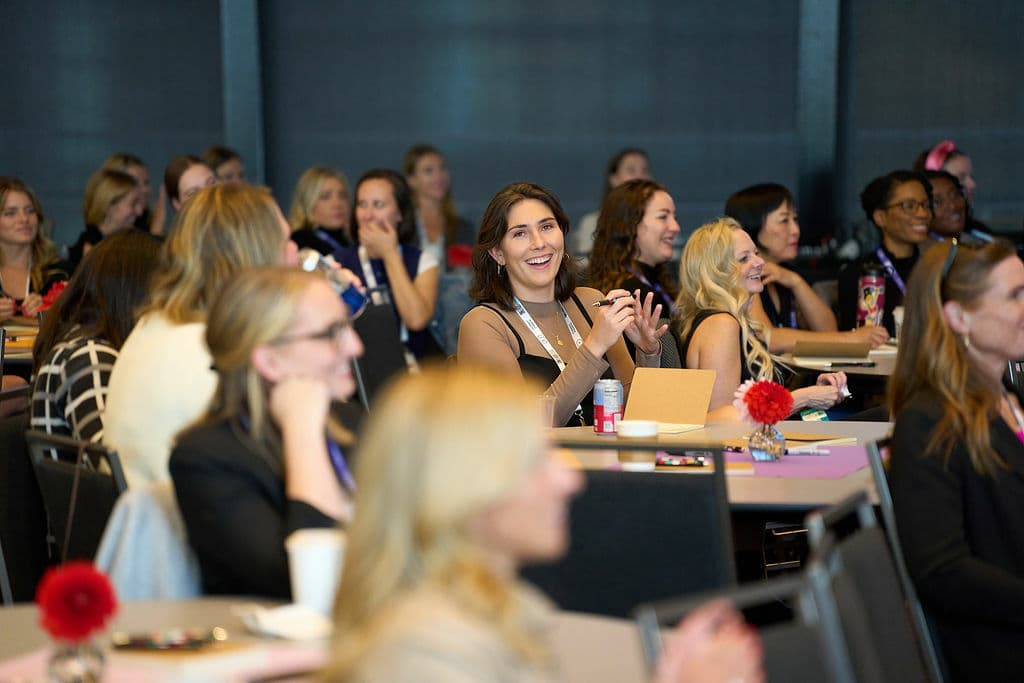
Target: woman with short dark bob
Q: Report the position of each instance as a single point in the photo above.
(957, 465)
(388, 258)
(788, 309)
(633, 245)
(82, 334)
(532, 319)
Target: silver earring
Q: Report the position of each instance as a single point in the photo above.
(499, 269)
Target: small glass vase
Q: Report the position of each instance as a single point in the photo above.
(766, 444)
(76, 663)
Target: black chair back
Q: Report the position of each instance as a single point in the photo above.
(866, 586)
(877, 454)
(22, 515)
(76, 526)
(642, 536)
(384, 355)
(804, 643)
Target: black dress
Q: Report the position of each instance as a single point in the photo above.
(963, 537)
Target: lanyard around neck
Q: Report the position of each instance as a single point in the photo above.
(890, 270)
(535, 329)
(657, 289)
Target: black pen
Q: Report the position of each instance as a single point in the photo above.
(609, 302)
(852, 364)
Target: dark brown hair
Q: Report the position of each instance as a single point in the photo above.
(613, 259)
(488, 284)
(102, 299)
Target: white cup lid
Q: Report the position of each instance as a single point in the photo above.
(638, 428)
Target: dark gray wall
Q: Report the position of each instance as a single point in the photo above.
(528, 90)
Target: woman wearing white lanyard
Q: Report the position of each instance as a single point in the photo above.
(900, 206)
(532, 319)
(394, 269)
(787, 308)
(28, 265)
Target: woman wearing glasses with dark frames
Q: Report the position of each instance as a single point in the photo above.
(269, 456)
(957, 466)
(900, 206)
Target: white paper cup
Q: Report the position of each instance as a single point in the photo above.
(637, 461)
(897, 316)
(315, 558)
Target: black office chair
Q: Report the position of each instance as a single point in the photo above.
(877, 453)
(79, 483)
(804, 643)
(384, 355)
(865, 577)
(639, 537)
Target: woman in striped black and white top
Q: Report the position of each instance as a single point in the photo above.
(83, 332)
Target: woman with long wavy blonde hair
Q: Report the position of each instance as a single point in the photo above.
(430, 589)
(162, 379)
(719, 271)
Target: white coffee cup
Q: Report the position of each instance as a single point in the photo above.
(315, 558)
(638, 460)
(897, 316)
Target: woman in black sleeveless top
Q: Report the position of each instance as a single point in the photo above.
(532, 319)
(719, 273)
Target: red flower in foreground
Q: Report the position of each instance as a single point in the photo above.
(75, 600)
(768, 402)
(51, 294)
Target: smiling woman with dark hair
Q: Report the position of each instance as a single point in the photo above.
(900, 206)
(533, 320)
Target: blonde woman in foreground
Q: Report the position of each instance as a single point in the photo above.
(431, 589)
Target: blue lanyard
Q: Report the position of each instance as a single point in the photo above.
(326, 237)
(891, 271)
(665, 298)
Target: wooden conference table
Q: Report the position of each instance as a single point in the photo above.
(590, 649)
(745, 492)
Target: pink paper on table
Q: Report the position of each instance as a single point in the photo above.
(839, 462)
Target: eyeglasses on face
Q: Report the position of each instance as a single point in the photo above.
(912, 205)
(332, 333)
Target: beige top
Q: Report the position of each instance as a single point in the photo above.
(485, 338)
(428, 637)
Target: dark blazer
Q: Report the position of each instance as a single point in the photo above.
(963, 536)
(236, 512)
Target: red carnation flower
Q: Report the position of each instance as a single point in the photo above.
(75, 600)
(51, 294)
(768, 402)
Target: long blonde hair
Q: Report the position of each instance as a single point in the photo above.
(429, 480)
(220, 231)
(44, 254)
(709, 280)
(257, 307)
(932, 358)
(307, 190)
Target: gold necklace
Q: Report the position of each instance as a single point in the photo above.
(558, 339)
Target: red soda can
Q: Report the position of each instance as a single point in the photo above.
(870, 297)
(608, 404)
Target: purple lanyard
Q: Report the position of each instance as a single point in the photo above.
(657, 290)
(338, 246)
(891, 271)
(340, 468)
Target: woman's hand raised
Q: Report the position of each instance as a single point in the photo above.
(610, 322)
(643, 331)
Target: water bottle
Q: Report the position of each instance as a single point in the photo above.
(347, 287)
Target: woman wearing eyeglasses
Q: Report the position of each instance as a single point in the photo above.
(268, 458)
(900, 206)
(957, 465)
